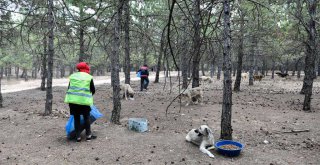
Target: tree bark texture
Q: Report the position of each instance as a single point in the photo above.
(127, 66)
(184, 57)
(226, 128)
(115, 80)
(311, 56)
(17, 69)
(219, 71)
(251, 60)
(240, 54)
(44, 64)
(48, 106)
(1, 98)
(160, 56)
(196, 44)
(82, 55)
(212, 60)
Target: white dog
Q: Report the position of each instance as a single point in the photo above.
(244, 76)
(205, 79)
(193, 93)
(127, 91)
(202, 137)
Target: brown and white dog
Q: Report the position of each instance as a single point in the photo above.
(202, 137)
(126, 91)
(192, 94)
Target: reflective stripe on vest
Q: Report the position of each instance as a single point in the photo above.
(79, 89)
(79, 94)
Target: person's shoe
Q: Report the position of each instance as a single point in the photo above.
(78, 139)
(89, 137)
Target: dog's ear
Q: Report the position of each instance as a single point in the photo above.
(196, 131)
(208, 131)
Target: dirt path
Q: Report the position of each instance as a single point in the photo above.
(12, 85)
(260, 112)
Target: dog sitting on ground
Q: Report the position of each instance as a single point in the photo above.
(203, 137)
(244, 76)
(126, 91)
(192, 94)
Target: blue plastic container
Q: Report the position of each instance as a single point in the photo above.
(230, 153)
(138, 124)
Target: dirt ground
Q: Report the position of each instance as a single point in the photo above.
(263, 112)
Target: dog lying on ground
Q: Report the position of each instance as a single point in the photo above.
(282, 74)
(203, 137)
(126, 91)
(205, 79)
(192, 94)
(257, 77)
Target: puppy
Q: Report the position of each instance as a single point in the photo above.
(203, 137)
(127, 91)
(193, 93)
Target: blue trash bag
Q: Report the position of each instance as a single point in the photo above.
(70, 130)
(139, 74)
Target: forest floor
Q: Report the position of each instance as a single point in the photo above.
(261, 113)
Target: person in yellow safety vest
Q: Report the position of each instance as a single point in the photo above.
(80, 97)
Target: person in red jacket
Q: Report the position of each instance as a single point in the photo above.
(144, 74)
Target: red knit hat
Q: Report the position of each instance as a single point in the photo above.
(83, 67)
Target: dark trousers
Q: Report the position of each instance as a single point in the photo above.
(144, 83)
(77, 125)
(76, 111)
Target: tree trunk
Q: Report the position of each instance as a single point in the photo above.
(185, 56)
(196, 44)
(1, 98)
(127, 66)
(6, 70)
(310, 57)
(115, 80)
(226, 128)
(287, 66)
(319, 68)
(82, 55)
(48, 106)
(62, 70)
(71, 70)
(264, 67)
(253, 44)
(25, 74)
(57, 70)
(273, 68)
(1, 72)
(160, 57)
(44, 64)
(17, 72)
(34, 70)
(240, 54)
(234, 70)
(212, 61)
(219, 71)
(145, 43)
